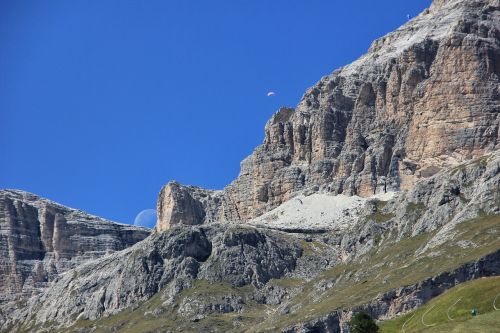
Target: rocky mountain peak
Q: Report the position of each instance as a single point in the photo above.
(423, 98)
(377, 193)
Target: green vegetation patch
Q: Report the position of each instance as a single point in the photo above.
(450, 312)
(310, 248)
(414, 207)
(201, 288)
(379, 216)
(287, 282)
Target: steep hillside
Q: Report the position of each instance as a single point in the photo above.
(40, 239)
(231, 277)
(424, 97)
(450, 312)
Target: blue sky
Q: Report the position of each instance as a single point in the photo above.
(102, 102)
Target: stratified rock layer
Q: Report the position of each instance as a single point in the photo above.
(40, 239)
(424, 97)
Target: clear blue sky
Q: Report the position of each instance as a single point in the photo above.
(102, 102)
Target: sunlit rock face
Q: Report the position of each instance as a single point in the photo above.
(39, 239)
(424, 97)
(176, 205)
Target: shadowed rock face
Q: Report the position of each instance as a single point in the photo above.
(40, 239)
(424, 97)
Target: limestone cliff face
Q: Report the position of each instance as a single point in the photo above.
(40, 239)
(424, 97)
(177, 205)
(443, 231)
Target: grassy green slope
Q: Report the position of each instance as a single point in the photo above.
(392, 265)
(455, 303)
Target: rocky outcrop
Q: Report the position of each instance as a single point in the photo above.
(447, 199)
(423, 98)
(178, 204)
(441, 232)
(168, 261)
(40, 239)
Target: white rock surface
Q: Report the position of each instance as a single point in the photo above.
(319, 211)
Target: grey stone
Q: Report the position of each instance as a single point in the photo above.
(40, 239)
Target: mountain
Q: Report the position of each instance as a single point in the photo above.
(423, 98)
(234, 277)
(40, 239)
(379, 192)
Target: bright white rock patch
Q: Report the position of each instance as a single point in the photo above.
(319, 211)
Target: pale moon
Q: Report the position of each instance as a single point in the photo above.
(146, 218)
